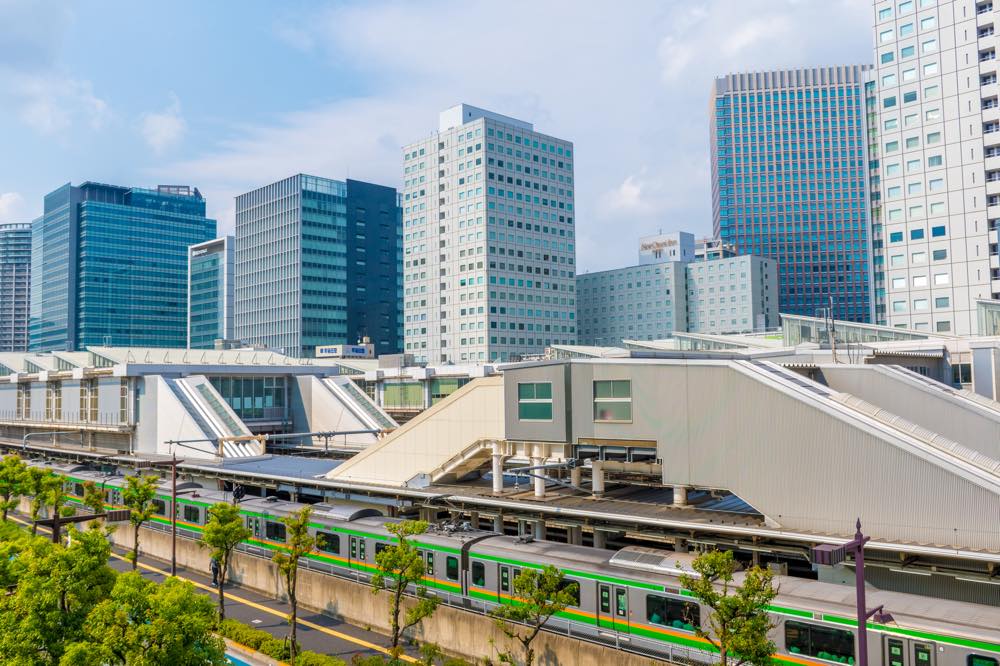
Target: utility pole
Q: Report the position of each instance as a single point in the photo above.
(173, 463)
(830, 555)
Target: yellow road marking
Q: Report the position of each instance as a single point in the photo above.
(305, 623)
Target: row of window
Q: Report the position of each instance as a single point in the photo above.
(612, 401)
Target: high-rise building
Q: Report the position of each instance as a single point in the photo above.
(15, 272)
(938, 148)
(670, 290)
(488, 223)
(789, 182)
(109, 266)
(210, 292)
(318, 263)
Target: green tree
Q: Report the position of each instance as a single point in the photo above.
(738, 621)
(137, 496)
(93, 499)
(223, 532)
(538, 595)
(12, 471)
(298, 543)
(45, 488)
(56, 588)
(399, 566)
(145, 624)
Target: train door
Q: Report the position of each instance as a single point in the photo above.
(357, 551)
(605, 615)
(504, 581)
(621, 609)
(899, 651)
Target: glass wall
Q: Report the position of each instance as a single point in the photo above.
(403, 395)
(261, 398)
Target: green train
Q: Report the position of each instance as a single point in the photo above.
(630, 598)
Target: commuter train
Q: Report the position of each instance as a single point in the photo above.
(631, 598)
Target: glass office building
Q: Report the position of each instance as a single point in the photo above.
(15, 272)
(318, 263)
(789, 182)
(109, 266)
(210, 292)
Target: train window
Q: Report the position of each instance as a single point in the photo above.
(430, 563)
(274, 531)
(328, 543)
(573, 588)
(605, 599)
(923, 654)
(672, 612)
(379, 547)
(159, 507)
(895, 652)
(505, 579)
(78, 489)
(451, 568)
(621, 602)
(478, 574)
(823, 642)
(192, 514)
(980, 660)
(361, 549)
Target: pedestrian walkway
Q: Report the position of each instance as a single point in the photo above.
(317, 632)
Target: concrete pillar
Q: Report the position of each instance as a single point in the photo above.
(680, 496)
(540, 531)
(574, 535)
(600, 539)
(576, 476)
(498, 523)
(497, 473)
(597, 478)
(539, 476)
(474, 519)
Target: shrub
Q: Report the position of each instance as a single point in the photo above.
(316, 659)
(276, 648)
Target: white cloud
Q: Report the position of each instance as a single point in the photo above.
(11, 207)
(163, 129)
(627, 82)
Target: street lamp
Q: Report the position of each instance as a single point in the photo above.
(830, 555)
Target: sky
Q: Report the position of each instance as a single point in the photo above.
(231, 95)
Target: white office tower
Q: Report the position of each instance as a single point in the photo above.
(489, 245)
(938, 146)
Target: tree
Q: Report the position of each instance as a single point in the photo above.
(538, 595)
(739, 621)
(146, 624)
(12, 471)
(399, 566)
(223, 532)
(93, 499)
(45, 488)
(55, 589)
(137, 496)
(298, 542)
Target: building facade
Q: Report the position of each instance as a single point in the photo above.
(489, 237)
(210, 292)
(789, 182)
(15, 274)
(674, 246)
(109, 266)
(318, 263)
(938, 149)
(652, 301)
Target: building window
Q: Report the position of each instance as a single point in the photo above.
(613, 400)
(534, 401)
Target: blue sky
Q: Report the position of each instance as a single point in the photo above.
(231, 95)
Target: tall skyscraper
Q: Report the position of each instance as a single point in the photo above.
(488, 231)
(789, 182)
(109, 266)
(211, 292)
(938, 149)
(318, 263)
(15, 272)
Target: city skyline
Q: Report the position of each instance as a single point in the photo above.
(203, 121)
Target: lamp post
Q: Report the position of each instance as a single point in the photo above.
(830, 555)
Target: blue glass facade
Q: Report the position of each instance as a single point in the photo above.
(15, 271)
(210, 293)
(318, 262)
(790, 175)
(109, 266)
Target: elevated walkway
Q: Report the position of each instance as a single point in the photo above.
(959, 415)
(336, 404)
(437, 442)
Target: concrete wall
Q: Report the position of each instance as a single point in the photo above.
(460, 632)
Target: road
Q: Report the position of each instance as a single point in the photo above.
(317, 632)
